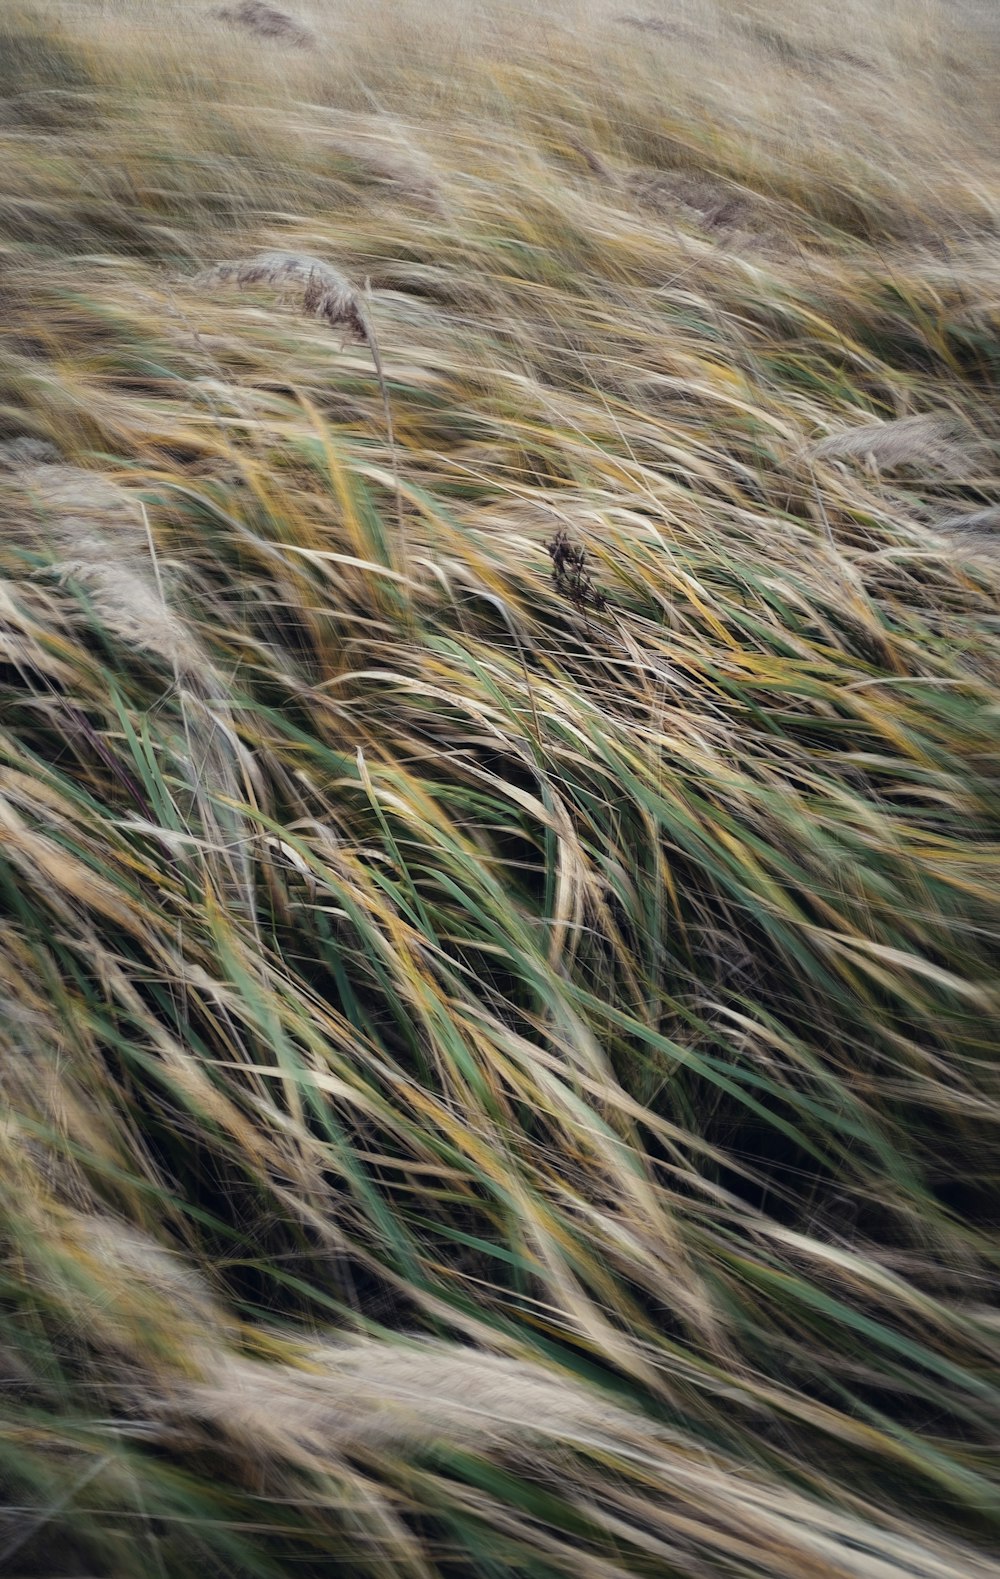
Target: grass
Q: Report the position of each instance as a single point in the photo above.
(499, 839)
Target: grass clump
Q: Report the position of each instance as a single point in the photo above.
(499, 843)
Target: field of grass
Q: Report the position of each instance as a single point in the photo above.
(499, 790)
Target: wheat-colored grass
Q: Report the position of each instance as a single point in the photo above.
(499, 847)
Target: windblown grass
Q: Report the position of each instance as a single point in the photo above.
(499, 975)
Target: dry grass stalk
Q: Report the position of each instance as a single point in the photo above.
(595, 164)
(266, 21)
(927, 442)
(326, 294)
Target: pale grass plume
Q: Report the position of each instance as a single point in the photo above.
(384, 148)
(141, 1300)
(171, 1357)
(100, 538)
(266, 21)
(96, 531)
(694, 196)
(647, 24)
(338, 1398)
(325, 293)
(935, 442)
(123, 1250)
(392, 1395)
(976, 534)
(368, 1396)
(983, 523)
